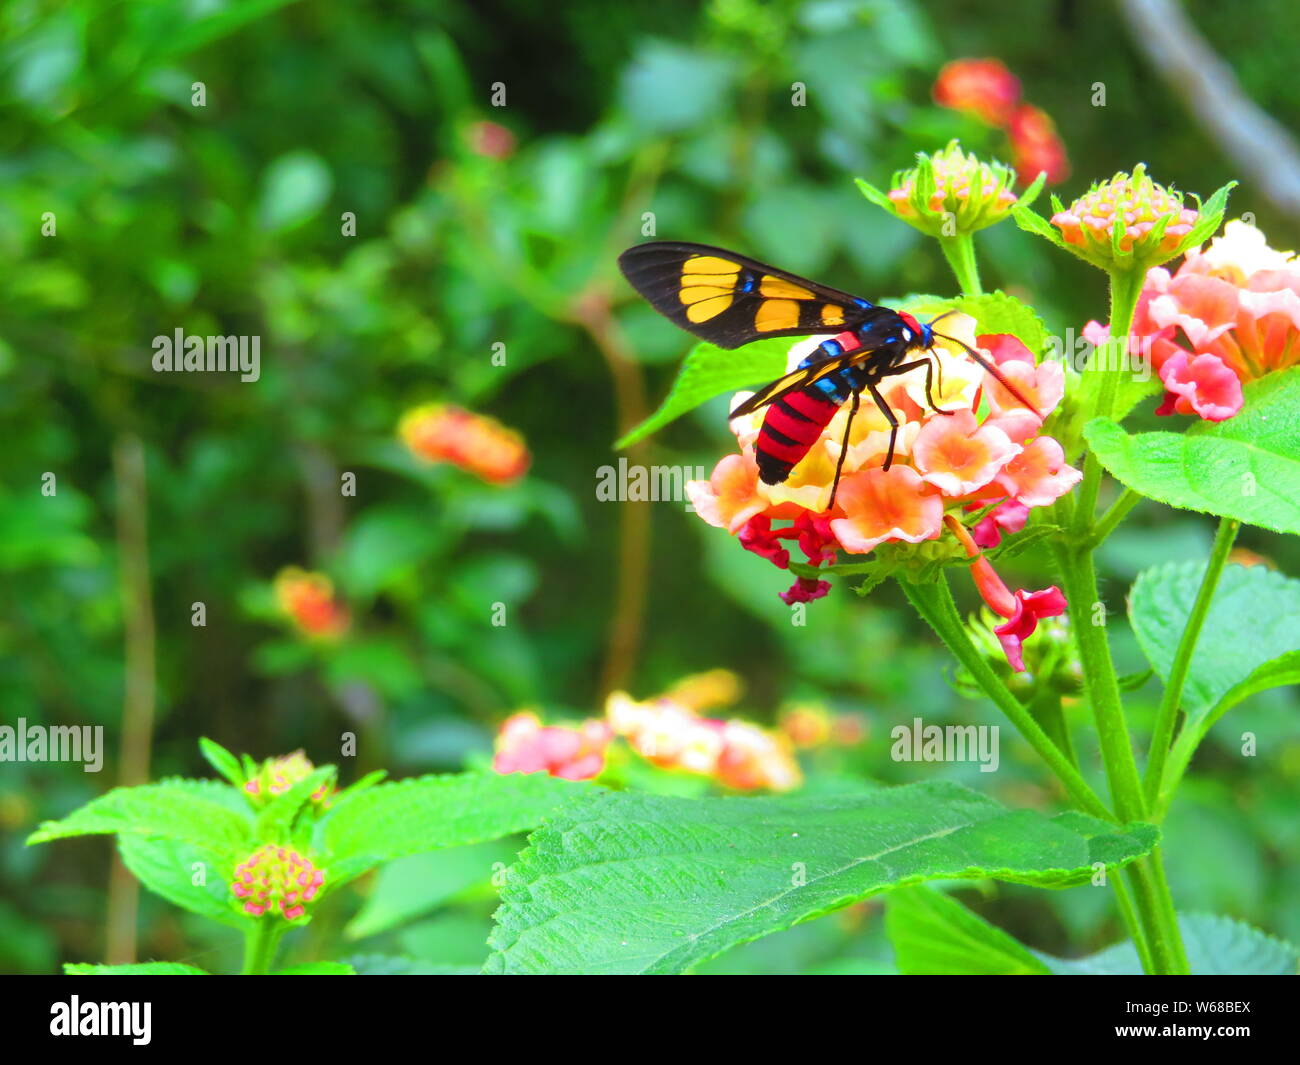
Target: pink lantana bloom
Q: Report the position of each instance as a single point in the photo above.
(525, 745)
(985, 453)
(1228, 316)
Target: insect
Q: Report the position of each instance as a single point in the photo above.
(730, 300)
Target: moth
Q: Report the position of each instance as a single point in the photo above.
(731, 300)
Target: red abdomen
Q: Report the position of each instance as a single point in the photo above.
(790, 428)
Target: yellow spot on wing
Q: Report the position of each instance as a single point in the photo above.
(695, 293)
(832, 314)
(776, 314)
(776, 286)
(709, 264)
(709, 308)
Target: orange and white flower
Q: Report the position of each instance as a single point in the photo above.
(668, 732)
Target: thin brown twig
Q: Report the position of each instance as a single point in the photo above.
(139, 693)
(593, 312)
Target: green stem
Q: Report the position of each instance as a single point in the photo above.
(934, 602)
(260, 943)
(1102, 377)
(1045, 706)
(1114, 514)
(1155, 908)
(960, 253)
(1100, 683)
(1129, 916)
(1162, 733)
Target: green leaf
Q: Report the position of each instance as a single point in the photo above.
(294, 188)
(619, 882)
(1017, 543)
(1247, 467)
(317, 968)
(411, 887)
(172, 809)
(428, 813)
(933, 934)
(710, 371)
(1216, 946)
(1254, 618)
(880, 199)
(167, 867)
(144, 968)
(1276, 673)
(996, 312)
(222, 761)
(1031, 222)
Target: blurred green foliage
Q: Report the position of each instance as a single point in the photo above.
(228, 218)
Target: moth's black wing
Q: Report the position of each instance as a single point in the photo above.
(730, 300)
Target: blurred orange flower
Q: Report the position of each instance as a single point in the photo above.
(478, 444)
(308, 600)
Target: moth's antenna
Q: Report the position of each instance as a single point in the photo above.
(946, 314)
(997, 374)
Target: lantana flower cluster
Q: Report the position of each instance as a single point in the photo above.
(1229, 315)
(986, 89)
(308, 600)
(277, 880)
(441, 432)
(278, 775)
(986, 455)
(950, 193)
(1147, 213)
(669, 730)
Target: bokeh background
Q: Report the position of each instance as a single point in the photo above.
(477, 226)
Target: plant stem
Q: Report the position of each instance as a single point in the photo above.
(934, 602)
(1156, 912)
(1100, 683)
(1045, 707)
(1114, 514)
(1162, 733)
(1125, 288)
(1127, 914)
(960, 253)
(260, 943)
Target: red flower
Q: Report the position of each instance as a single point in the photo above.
(984, 88)
(1036, 147)
(1021, 609)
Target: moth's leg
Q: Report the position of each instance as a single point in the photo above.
(889, 417)
(844, 449)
